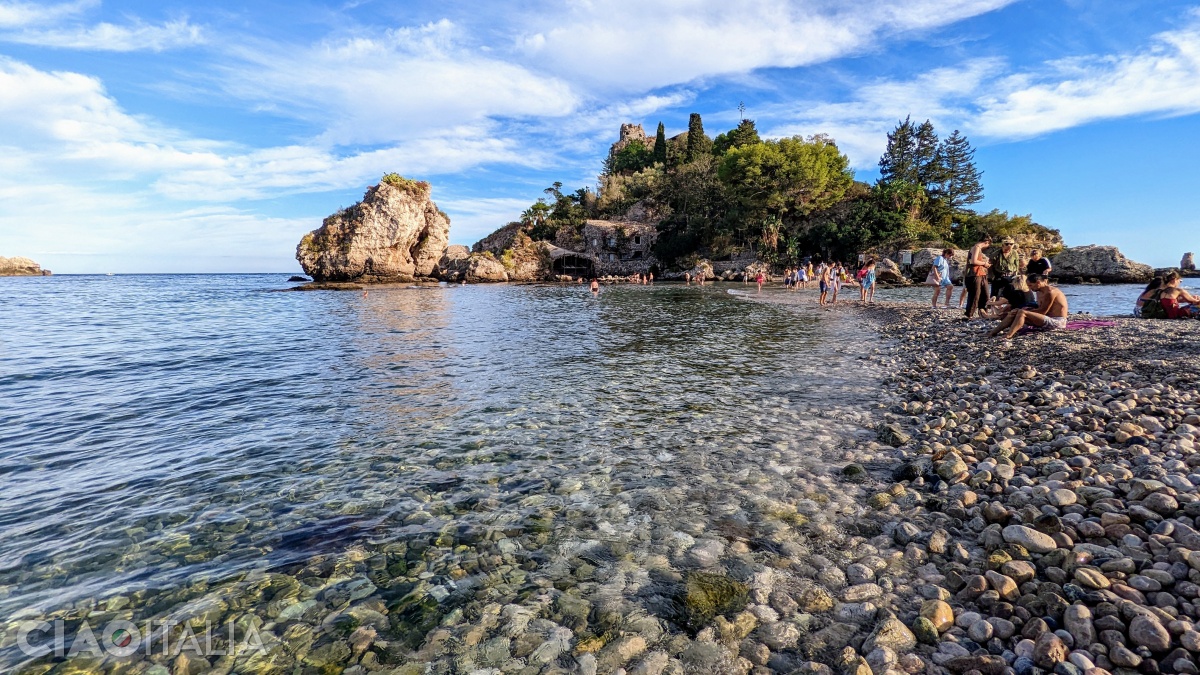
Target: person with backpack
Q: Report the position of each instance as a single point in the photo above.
(1150, 295)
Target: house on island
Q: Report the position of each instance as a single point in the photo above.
(620, 248)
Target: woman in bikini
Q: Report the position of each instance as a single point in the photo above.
(1177, 302)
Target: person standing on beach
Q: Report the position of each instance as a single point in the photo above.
(1038, 264)
(1006, 267)
(976, 278)
(941, 276)
(758, 279)
(1051, 312)
(823, 271)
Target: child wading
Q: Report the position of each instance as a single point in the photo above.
(866, 289)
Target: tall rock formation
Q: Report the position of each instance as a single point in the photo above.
(21, 267)
(396, 233)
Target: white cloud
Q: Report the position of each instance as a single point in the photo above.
(860, 125)
(388, 87)
(1163, 78)
(631, 45)
(110, 37)
(472, 219)
(21, 14)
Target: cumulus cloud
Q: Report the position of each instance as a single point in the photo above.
(633, 45)
(1162, 79)
(381, 88)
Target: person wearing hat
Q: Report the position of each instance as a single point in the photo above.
(1006, 267)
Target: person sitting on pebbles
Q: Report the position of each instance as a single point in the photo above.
(1051, 312)
(1177, 302)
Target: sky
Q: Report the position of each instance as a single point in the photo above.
(170, 136)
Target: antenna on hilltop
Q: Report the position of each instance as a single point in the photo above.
(742, 110)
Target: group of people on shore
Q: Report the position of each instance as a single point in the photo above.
(1165, 299)
(996, 287)
(830, 278)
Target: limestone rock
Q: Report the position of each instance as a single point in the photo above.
(396, 233)
(1105, 263)
(453, 263)
(1188, 263)
(21, 267)
(483, 269)
(889, 272)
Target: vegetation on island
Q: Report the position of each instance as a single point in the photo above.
(783, 199)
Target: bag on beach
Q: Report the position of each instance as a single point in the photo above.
(931, 279)
(1153, 309)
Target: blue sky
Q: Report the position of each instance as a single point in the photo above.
(208, 137)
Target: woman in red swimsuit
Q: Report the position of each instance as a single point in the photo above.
(1176, 302)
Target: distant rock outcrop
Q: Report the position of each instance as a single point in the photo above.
(484, 268)
(396, 233)
(21, 267)
(1188, 263)
(1103, 263)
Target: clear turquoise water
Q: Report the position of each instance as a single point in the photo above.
(160, 430)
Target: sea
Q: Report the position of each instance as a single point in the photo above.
(167, 437)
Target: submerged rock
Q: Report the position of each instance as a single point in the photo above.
(704, 596)
(396, 233)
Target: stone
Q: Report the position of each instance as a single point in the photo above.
(396, 233)
(925, 632)
(1048, 650)
(1091, 577)
(1029, 538)
(620, 652)
(1105, 263)
(779, 635)
(893, 634)
(705, 595)
(986, 665)
(939, 613)
(815, 600)
(1145, 631)
(1006, 587)
(1077, 619)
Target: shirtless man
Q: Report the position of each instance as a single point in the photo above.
(1051, 312)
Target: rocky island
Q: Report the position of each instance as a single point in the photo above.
(21, 267)
(396, 233)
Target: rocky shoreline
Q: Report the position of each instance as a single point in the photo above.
(1055, 527)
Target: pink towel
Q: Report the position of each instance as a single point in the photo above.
(1082, 324)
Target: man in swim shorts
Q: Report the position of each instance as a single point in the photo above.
(1051, 312)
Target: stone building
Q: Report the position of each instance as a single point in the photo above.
(620, 247)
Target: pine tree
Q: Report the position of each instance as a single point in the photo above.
(660, 145)
(899, 161)
(960, 186)
(929, 170)
(698, 144)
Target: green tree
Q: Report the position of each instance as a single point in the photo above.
(745, 133)
(660, 145)
(899, 160)
(629, 159)
(789, 177)
(961, 183)
(698, 144)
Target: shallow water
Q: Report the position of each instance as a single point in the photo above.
(164, 435)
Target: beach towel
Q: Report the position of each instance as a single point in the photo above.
(1079, 324)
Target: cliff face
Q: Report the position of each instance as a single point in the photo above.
(21, 267)
(396, 233)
